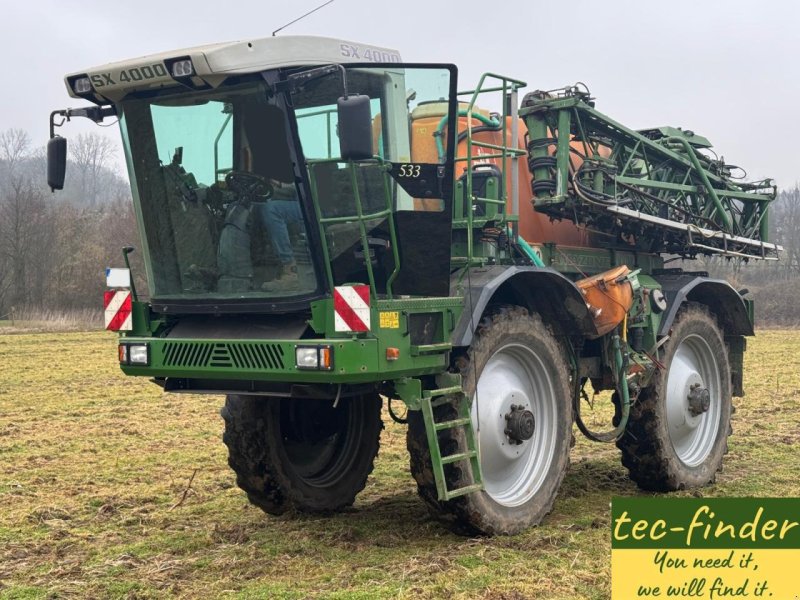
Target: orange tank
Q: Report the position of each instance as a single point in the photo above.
(533, 227)
(609, 296)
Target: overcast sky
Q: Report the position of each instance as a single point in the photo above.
(725, 69)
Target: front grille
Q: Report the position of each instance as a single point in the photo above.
(240, 355)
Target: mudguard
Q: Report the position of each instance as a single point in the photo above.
(543, 290)
(724, 301)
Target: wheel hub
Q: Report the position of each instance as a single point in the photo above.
(520, 424)
(693, 400)
(699, 399)
(516, 447)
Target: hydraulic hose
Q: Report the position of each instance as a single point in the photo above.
(529, 252)
(622, 390)
(438, 134)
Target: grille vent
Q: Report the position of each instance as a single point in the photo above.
(241, 355)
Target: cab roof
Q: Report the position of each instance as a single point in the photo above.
(211, 64)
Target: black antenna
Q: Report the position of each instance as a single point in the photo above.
(301, 17)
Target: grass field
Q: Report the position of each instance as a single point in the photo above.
(95, 502)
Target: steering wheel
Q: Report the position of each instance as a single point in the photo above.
(249, 185)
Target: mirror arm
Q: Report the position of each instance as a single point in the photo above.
(53, 124)
(95, 113)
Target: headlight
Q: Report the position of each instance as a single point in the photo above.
(182, 68)
(314, 357)
(138, 354)
(82, 85)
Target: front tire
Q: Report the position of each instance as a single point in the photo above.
(673, 441)
(304, 453)
(514, 362)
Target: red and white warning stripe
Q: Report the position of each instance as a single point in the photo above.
(351, 308)
(118, 307)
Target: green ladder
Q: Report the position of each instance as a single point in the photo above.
(432, 428)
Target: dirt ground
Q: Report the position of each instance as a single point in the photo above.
(95, 500)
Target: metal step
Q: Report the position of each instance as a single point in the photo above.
(452, 424)
(463, 491)
(446, 460)
(463, 421)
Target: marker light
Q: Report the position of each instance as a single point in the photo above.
(182, 68)
(325, 358)
(123, 354)
(138, 354)
(82, 85)
(392, 353)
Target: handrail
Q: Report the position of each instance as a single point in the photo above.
(359, 217)
(216, 144)
(508, 87)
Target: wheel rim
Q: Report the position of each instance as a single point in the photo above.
(514, 375)
(321, 442)
(693, 435)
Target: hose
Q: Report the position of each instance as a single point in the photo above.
(529, 252)
(622, 390)
(492, 124)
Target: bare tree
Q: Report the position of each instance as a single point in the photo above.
(92, 156)
(14, 148)
(14, 145)
(785, 226)
(23, 230)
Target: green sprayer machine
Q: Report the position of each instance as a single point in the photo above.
(328, 232)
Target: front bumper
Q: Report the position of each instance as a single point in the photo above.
(355, 360)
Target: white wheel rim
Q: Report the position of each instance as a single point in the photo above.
(693, 436)
(514, 473)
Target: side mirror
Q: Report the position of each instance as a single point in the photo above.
(56, 162)
(355, 127)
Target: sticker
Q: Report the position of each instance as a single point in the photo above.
(118, 278)
(390, 320)
(711, 548)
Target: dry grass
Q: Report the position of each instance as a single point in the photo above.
(92, 464)
(37, 320)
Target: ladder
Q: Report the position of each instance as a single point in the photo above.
(463, 420)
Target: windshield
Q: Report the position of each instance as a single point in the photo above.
(218, 195)
(241, 193)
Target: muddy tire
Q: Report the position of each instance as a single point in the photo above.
(677, 435)
(245, 435)
(514, 360)
(304, 453)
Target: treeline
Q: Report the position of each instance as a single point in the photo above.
(774, 285)
(54, 247)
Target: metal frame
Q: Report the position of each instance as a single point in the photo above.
(652, 186)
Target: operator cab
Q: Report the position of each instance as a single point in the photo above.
(248, 194)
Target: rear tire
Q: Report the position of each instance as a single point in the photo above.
(304, 453)
(666, 446)
(514, 359)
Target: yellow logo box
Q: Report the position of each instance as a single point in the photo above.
(713, 548)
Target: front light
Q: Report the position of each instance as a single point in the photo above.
(138, 354)
(182, 68)
(314, 357)
(306, 357)
(82, 85)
